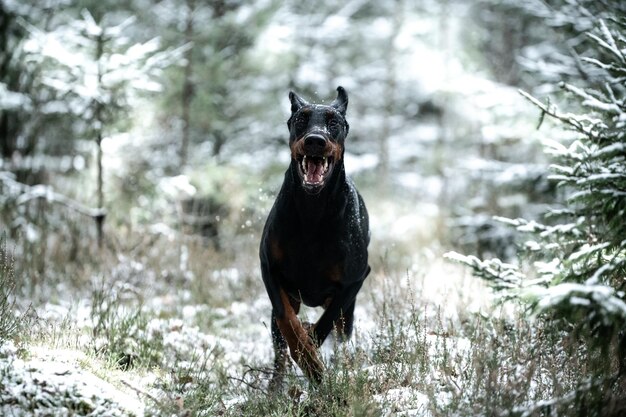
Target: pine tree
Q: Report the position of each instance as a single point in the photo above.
(579, 277)
(98, 73)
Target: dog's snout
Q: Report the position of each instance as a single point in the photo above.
(315, 141)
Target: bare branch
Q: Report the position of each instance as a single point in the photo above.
(46, 192)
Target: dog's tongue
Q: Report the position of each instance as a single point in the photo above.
(314, 171)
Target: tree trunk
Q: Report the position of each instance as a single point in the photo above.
(99, 126)
(188, 88)
(390, 95)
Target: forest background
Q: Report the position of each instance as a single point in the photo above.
(143, 143)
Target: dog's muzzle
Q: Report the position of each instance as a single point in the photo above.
(315, 159)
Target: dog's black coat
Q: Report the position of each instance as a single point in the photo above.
(314, 244)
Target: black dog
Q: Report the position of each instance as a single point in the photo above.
(314, 244)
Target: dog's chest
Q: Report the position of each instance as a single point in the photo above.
(312, 269)
(317, 249)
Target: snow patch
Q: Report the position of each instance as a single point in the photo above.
(52, 382)
(403, 401)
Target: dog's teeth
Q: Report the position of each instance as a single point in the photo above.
(325, 164)
(304, 164)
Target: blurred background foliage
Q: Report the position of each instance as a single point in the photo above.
(169, 116)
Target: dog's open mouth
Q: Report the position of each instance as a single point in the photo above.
(314, 170)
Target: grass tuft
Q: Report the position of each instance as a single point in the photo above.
(14, 324)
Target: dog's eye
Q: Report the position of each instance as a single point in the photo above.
(333, 125)
(301, 123)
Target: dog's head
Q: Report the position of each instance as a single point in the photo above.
(316, 137)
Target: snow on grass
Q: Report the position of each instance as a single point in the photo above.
(405, 402)
(52, 382)
(209, 337)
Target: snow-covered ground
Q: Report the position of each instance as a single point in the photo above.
(58, 382)
(72, 380)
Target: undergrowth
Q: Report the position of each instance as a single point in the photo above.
(14, 322)
(167, 315)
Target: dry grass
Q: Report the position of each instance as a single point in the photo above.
(189, 325)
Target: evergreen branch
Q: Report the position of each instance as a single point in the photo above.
(608, 42)
(598, 299)
(500, 275)
(590, 101)
(567, 118)
(611, 93)
(610, 68)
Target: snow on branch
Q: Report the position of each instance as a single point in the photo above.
(608, 42)
(592, 102)
(601, 301)
(500, 275)
(45, 192)
(13, 100)
(582, 124)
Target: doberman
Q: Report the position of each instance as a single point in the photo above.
(314, 244)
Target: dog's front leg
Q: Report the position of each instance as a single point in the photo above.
(301, 346)
(280, 356)
(341, 307)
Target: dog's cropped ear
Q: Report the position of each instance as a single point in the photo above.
(341, 102)
(297, 102)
